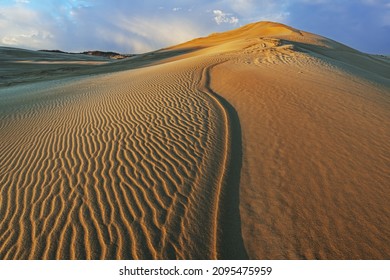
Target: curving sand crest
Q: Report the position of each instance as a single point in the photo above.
(264, 142)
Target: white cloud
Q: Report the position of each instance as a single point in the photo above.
(20, 26)
(221, 17)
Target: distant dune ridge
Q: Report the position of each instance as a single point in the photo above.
(264, 142)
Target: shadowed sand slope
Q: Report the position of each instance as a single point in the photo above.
(262, 142)
(25, 66)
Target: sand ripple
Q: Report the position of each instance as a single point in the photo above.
(126, 165)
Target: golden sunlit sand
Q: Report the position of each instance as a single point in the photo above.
(264, 142)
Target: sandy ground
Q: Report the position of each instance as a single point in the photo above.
(264, 142)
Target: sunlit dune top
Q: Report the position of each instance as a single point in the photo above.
(263, 28)
(259, 30)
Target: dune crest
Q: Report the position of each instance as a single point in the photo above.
(264, 142)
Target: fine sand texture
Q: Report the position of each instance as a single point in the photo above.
(265, 142)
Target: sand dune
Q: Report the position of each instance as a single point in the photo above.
(265, 142)
(113, 171)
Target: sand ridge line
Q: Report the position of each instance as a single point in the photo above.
(204, 86)
(227, 243)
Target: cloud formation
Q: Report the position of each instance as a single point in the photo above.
(140, 26)
(20, 26)
(221, 17)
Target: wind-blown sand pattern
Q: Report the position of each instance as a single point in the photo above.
(264, 142)
(122, 173)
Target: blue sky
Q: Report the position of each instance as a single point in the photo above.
(139, 26)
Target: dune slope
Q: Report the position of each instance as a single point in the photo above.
(314, 116)
(126, 165)
(264, 142)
